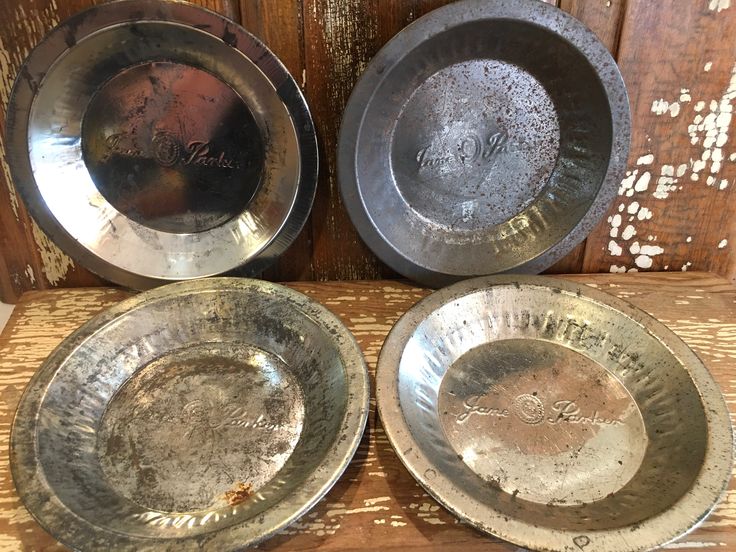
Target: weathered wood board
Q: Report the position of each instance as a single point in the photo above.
(377, 505)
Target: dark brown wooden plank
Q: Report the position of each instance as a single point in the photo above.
(279, 26)
(605, 19)
(676, 207)
(31, 259)
(376, 505)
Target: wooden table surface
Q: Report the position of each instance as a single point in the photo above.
(377, 505)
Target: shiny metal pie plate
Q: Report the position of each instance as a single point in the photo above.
(486, 137)
(135, 429)
(157, 141)
(554, 416)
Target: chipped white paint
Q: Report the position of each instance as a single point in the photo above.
(645, 159)
(722, 244)
(651, 250)
(685, 96)
(54, 262)
(617, 269)
(614, 248)
(708, 66)
(723, 185)
(719, 5)
(644, 214)
(662, 106)
(643, 261)
(29, 273)
(689, 239)
(628, 233)
(633, 208)
(373, 501)
(643, 183)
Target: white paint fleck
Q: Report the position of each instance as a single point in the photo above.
(628, 233)
(668, 170)
(643, 261)
(397, 524)
(700, 106)
(710, 180)
(689, 239)
(685, 95)
(719, 5)
(651, 250)
(617, 269)
(29, 272)
(643, 183)
(372, 501)
(723, 185)
(722, 244)
(645, 159)
(681, 170)
(620, 208)
(633, 208)
(644, 214)
(614, 249)
(54, 262)
(616, 221)
(635, 248)
(628, 182)
(614, 232)
(708, 66)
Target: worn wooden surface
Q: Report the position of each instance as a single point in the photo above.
(676, 207)
(377, 505)
(681, 118)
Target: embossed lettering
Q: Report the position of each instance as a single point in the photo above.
(468, 150)
(472, 407)
(569, 412)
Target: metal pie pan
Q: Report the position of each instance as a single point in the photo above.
(554, 416)
(206, 414)
(486, 137)
(156, 141)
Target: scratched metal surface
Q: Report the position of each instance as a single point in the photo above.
(461, 155)
(553, 415)
(155, 141)
(139, 428)
(377, 504)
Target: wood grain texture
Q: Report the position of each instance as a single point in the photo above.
(279, 26)
(676, 206)
(605, 19)
(377, 505)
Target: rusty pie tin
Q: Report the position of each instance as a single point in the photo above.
(156, 141)
(554, 416)
(486, 137)
(202, 415)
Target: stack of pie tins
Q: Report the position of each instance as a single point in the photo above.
(156, 141)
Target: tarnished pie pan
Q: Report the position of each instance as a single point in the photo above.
(554, 416)
(136, 427)
(156, 141)
(488, 136)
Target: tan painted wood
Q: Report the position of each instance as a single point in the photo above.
(376, 505)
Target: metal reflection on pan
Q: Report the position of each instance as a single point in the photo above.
(157, 141)
(205, 414)
(554, 416)
(486, 137)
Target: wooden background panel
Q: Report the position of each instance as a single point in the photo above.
(676, 207)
